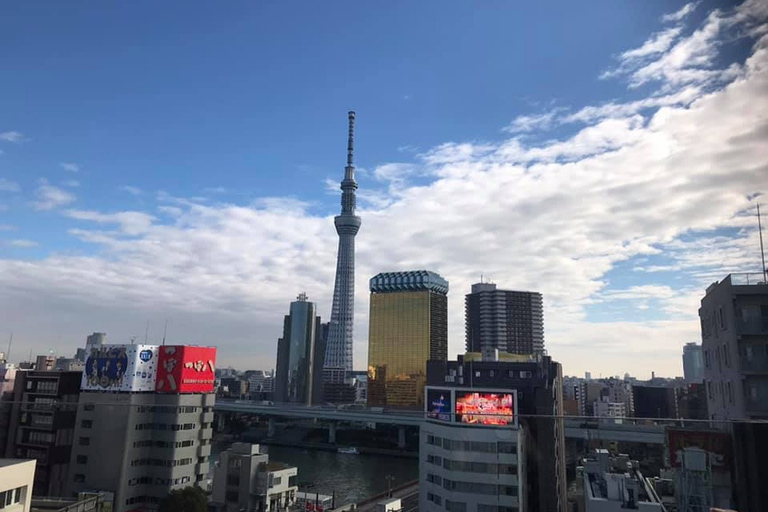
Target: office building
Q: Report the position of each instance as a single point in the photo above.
(299, 355)
(92, 341)
(655, 402)
(734, 332)
(42, 425)
(338, 355)
(144, 422)
(16, 477)
(45, 363)
(693, 363)
(408, 327)
(603, 408)
(247, 481)
(615, 484)
(535, 435)
(7, 382)
(510, 321)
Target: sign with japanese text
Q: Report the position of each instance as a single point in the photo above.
(186, 369)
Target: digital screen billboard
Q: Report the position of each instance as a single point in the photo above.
(490, 408)
(717, 444)
(186, 369)
(439, 405)
(128, 368)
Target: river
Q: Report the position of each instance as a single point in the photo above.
(352, 477)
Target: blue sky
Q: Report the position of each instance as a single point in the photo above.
(125, 125)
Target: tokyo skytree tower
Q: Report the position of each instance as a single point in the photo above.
(338, 352)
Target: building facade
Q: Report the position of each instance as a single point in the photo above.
(734, 331)
(16, 477)
(299, 352)
(537, 383)
(693, 363)
(245, 480)
(510, 321)
(615, 484)
(42, 425)
(408, 327)
(338, 356)
(145, 429)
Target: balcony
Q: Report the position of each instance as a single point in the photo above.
(204, 451)
(207, 417)
(752, 326)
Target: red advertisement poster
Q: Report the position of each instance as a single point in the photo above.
(186, 369)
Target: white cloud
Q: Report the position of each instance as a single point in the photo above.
(12, 136)
(9, 186)
(23, 243)
(528, 123)
(71, 183)
(134, 191)
(50, 197)
(70, 167)
(680, 14)
(554, 217)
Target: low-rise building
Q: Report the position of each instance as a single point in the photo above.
(615, 484)
(245, 480)
(16, 477)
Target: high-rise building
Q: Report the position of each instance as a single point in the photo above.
(245, 479)
(41, 425)
(408, 327)
(495, 438)
(144, 422)
(509, 321)
(734, 331)
(92, 341)
(338, 354)
(693, 363)
(299, 353)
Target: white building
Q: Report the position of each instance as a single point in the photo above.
(606, 409)
(614, 484)
(246, 481)
(16, 478)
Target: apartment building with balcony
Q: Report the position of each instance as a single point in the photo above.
(42, 423)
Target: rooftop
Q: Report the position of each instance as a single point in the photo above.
(4, 463)
(412, 280)
(741, 279)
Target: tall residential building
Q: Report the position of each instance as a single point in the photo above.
(693, 363)
(494, 440)
(299, 354)
(42, 425)
(338, 355)
(734, 331)
(408, 327)
(510, 321)
(245, 479)
(144, 422)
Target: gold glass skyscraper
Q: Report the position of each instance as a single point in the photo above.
(408, 327)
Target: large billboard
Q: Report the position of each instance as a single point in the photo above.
(487, 408)
(717, 444)
(439, 404)
(127, 368)
(186, 369)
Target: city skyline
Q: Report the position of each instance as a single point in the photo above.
(619, 193)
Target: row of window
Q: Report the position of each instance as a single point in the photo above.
(472, 446)
(475, 467)
(148, 480)
(147, 443)
(162, 462)
(10, 497)
(45, 386)
(165, 409)
(472, 487)
(36, 437)
(166, 426)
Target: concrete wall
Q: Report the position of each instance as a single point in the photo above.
(17, 473)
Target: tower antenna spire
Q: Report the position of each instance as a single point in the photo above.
(351, 139)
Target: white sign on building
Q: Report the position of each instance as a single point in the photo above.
(126, 368)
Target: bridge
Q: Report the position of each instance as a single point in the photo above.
(575, 428)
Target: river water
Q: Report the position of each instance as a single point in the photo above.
(352, 477)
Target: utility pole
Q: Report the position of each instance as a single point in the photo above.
(763, 271)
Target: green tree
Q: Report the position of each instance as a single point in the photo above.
(188, 499)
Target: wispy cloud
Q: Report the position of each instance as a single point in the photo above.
(9, 186)
(130, 222)
(71, 167)
(529, 123)
(71, 183)
(677, 16)
(12, 136)
(134, 191)
(23, 243)
(215, 190)
(7, 227)
(50, 196)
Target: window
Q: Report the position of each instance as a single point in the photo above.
(10, 497)
(512, 373)
(505, 447)
(47, 386)
(235, 463)
(79, 478)
(89, 407)
(706, 360)
(455, 506)
(86, 424)
(477, 373)
(720, 318)
(84, 441)
(508, 490)
(40, 437)
(292, 481)
(525, 374)
(434, 498)
(276, 480)
(82, 459)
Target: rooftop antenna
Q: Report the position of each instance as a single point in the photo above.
(146, 333)
(764, 270)
(165, 330)
(10, 343)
